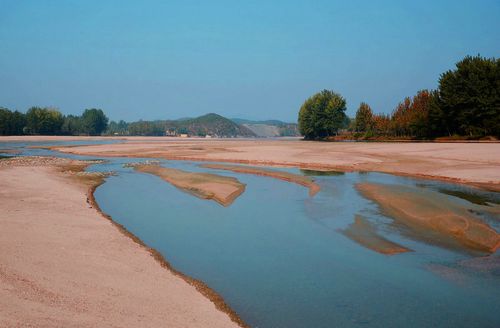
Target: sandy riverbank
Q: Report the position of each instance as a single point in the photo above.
(62, 264)
(475, 164)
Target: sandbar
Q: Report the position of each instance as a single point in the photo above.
(430, 211)
(365, 234)
(223, 190)
(286, 176)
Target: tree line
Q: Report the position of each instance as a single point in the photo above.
(465, 104)
(50, 121)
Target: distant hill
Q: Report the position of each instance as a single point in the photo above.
(210, 124)
(270, 128)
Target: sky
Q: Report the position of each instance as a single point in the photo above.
(241, 59)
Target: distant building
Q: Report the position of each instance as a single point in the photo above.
(208, 136)
(183, 135)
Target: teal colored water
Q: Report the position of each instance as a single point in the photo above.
(277, 257)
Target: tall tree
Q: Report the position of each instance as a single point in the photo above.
(364, 118)
(43, 121)
(322, 115)
(93, 121)
(469, 97)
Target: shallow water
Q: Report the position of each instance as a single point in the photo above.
(278, 258)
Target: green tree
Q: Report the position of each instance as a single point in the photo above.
(469, 98)
(72, 125)
(364, 118)
(11, 123)
(43, 121)
(93, 121)
(322, 115)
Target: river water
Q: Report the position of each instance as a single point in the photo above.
(279, 259)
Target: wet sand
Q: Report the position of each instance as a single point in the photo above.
(365, 234)
(428, 211)
(62, 264)
(476, 164)
(223, 190)
(286, 176)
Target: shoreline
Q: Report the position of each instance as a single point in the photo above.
(487, 186)
(200, 286)
(72, 172)
(476, 165)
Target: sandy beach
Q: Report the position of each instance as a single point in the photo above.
(476, 164)
(62, 264)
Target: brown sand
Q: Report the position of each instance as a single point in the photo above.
(63, 265)
(223, 190)
(429, 210)
(365, 234)
(286, 176)
(475, 164)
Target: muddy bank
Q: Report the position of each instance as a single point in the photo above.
(286, 176)
(61, 264)
(365, 234)
(221, 189)
(428, 211)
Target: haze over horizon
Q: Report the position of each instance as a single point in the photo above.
(257, 60)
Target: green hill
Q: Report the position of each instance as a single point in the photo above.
(210, 124)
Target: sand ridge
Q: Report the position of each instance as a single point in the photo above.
(286, 176)
(224, 190)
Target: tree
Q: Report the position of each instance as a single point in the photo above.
(364, 118)
(72, 125)
(322, 115)
(11, 123)
(469, 98)
(93, 121)
(43, 121)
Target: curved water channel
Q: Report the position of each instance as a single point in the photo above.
(279, 257)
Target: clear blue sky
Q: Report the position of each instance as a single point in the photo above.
(249, 59)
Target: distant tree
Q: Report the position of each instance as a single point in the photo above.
(322, 115)
(411, 116)
(469, 98)
(119, 128)
(364, 118)
(93, 121)
(11, 123)
(381, 124)
(72, 125)
(45, 121)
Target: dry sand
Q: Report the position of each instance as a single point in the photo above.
(224, 190)
(62, 264)
(475, 164)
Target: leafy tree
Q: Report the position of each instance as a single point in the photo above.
(11, 123)
(469, 98)
(381, 124)
(43, 121)
(364, 118)
(322, 115)
(72, 125)
(411, 117)
(93, 121)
